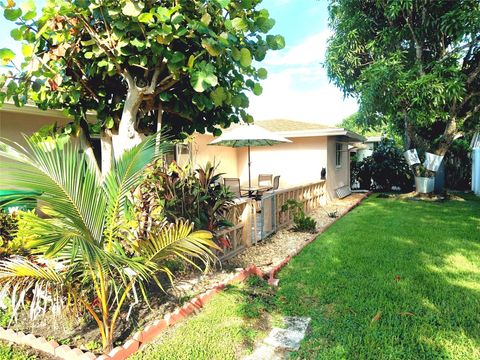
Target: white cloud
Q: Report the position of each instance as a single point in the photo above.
(297, 87)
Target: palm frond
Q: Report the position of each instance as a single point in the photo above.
(177, 239)
(127, 175)
(63, 178)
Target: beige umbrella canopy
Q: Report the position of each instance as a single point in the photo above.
(248, 135)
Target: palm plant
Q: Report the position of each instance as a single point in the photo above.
(78, 255)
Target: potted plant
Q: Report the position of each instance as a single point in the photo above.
(424, 179)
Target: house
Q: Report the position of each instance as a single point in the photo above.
(366, 148)
(314, 147)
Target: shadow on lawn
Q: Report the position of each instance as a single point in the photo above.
(394, 279)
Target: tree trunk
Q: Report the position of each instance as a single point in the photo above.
(128, 136)
(107, 151)
(86, 145)
(448, 137)
(159, 129)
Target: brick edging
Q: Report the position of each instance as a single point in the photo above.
(153, 330)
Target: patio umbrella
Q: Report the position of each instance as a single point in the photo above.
(248, 135)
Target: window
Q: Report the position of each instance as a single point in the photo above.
(180, 153)
(338, 155)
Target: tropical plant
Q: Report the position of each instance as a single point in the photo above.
(181, 193)
(78, 256)
(302, 222)
(137, 64)
(414, 66)
(385, 169)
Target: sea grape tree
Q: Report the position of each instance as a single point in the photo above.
(186, 64)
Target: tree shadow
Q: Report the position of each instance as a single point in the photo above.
(393, 279)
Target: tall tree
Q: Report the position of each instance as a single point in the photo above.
(413, 64)
(136, 64)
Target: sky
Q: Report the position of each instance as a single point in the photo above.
(297, 87)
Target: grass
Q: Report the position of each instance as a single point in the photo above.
(12, 353)
(394, 279)
(225, 329)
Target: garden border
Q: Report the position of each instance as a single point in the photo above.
(151, 331)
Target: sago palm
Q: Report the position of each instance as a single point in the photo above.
(78, 255)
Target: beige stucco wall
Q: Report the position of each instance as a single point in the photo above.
(298, 162)
(13, 124)
(337, 176)
(225, 157)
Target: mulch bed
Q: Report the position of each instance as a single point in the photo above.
(188, 284)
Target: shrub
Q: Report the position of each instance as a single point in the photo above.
(385, 169)
(302, 222)
(8, 230)
(79, 254)
(176, 192)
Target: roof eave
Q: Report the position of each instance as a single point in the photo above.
(323, 132)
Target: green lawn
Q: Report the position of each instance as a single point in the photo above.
(394, 279)
(12, 353)
(225, 329)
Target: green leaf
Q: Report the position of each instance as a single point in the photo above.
(177, 19)
(257, 89)
(203, 78)
(262, 73)
(6, 55)
(240, 24)
(146, 18)
(16, 34)
(275, 42)
(27, 50)
(138, 44)
(218, 96)
(163, 14)
(206, 18)
(245, 57)
(88, 55)
(109, 122)
(12, 14)
(132, 8)
(212, 47)
(236, 54)
(223, 3)
(177, 57)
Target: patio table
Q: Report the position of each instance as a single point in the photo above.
(255, 190)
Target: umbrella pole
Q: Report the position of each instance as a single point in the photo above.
(249, 175)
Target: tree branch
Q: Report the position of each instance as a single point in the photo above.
(418, 45)
(469, 114)
(108, 51)
(158, 70)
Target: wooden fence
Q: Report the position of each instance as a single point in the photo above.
(243, 215)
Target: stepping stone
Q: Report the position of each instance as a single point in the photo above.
(290, 337)
(280, 342)
(266, 352)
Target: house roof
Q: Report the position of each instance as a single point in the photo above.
(293, 128)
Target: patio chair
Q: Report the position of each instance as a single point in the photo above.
(276, 182)
(233, 185)
(265, 180)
